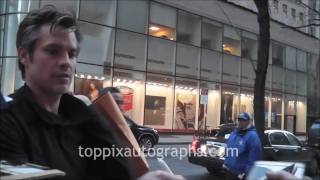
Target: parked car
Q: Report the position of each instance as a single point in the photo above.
(281, 146)
(313, 136)
(147, 137)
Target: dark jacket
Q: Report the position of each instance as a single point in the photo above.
(249, 150)
(29, 133)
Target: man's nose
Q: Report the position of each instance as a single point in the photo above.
(65, 60)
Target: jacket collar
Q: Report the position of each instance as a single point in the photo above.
(73, 110)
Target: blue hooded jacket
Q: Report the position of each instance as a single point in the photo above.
(248, 145)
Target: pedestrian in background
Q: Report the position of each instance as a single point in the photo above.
(247, 143)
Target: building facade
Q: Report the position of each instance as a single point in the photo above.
(180, 65)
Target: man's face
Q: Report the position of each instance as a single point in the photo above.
(52, 65)
(243, 123)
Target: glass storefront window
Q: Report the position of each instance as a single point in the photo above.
(132, 88)
(211, 35)
(231, 41)
(301, 83)
(248, 74)
(301, 61)
(211, 107)
(162, 21)
(2, 7)
(12, 24)
(278, 54)
(132, 15)
(188, 61)
(276, 110)
(211, 65)
(189, 28)
(21, 5)
(90, 79)
(158, 61)
(63, 5)
(249, 46)
(97, 44)
(186, 103)
(130, 50)
(290, 113)
(290, 81)
(229, 104)
(231, 69)
(291, 55)
(11, 79)
(158, 111)
(246, 101)
(277, 78)
(101, 12)
(301, 114)
(2, 18)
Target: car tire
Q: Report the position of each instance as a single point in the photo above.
(314, 167)
(146, 142)
(214, 171)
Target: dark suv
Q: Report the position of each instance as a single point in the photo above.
(313, 138)
(147, 137)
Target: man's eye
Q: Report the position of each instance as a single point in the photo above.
(52, 51)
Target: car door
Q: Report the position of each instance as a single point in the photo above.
(279, 149)
(298, 152)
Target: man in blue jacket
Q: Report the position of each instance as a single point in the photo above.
(244, 148)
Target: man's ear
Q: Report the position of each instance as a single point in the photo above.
(23, 56)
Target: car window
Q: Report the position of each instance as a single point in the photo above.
(315, 129)
(278, 138)
(293, 140)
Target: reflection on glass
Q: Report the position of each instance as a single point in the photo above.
(12, 22)
(188, 61)
(102, 12)
(231, 69)
(63, 5)
(209, 106)
(97, 45)
(248, 74)
(291, 55)
(161, 55)
(249, 46)
(132, 15)
(276, 110)
(162, 21)
(229, 104)
(132, 88)
(130, 50)
(301, 114)
(278, 54)
(302, 83)
(90, 79)
(211, 65)
(189, 28)
(211, 35)
(231, 41)
(246, 101)
(277, 78)
(19, 5)
(301, 61)
(1, 33)
(186, 100)
(290, 81)
(159, 101)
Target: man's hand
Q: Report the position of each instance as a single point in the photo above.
(160, 175)
(241, 176)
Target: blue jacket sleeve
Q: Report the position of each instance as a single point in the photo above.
(254, 151)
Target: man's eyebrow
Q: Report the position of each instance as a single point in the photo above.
(59, 46)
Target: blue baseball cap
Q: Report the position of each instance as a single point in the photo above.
(244, 116)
